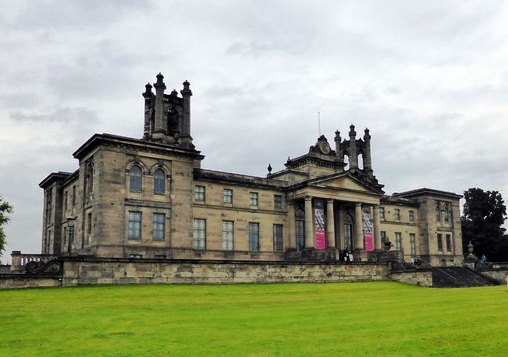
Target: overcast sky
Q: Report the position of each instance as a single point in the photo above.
(428, 78)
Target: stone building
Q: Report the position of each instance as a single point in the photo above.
(150, 198)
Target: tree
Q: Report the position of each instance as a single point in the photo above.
(484, 215)
(5, 209)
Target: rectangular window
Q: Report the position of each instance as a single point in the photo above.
(396, 214)
(158, 224)
(66, 199)
(253, 236)
(411, 216)
(199, 234)
(227, 235)
(440, 243)
(73, 196)
(398, 241)
(277, 201)
(228, 196)
(253, 199)
(277, 238)
(134, 229)
(412, 242)
(448, 243)
(382, 213)
(199, 193)
(383, 238)
(89, 223)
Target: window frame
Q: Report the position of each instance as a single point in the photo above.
(411, 215)
(135, 180)
(277, 202)
(134, 225)
(396, 214)
(228, 235)
(382, 214)
(412, 243)
(200, 193)
(254, 199)
(278, 238)
(199, 234)
(227, 198)
(253, 236)
(158, 226)
(439, 238)
(398, 240)
(159, 182)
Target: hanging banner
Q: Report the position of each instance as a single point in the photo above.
(368, 236)
(319, 217)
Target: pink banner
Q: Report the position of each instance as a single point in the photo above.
(320, 239)
(369, 241)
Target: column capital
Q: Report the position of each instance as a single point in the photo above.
(330, 200)
(308, 198)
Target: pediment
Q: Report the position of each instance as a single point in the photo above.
(344, 182)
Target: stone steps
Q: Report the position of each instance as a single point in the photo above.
(457, 277)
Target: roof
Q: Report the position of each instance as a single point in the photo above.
(97, 139)
(54, 176)
(427, 192)
(227, 177)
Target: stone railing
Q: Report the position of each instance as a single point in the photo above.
(19, 261)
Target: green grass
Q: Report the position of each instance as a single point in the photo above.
(348, 319)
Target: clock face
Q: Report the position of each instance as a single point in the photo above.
(324, 147)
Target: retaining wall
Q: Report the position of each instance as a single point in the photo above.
(129, 271)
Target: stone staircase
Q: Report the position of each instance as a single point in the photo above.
(459, 277)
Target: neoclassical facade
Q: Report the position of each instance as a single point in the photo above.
(150, 198)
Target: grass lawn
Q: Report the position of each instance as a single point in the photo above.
(349, 319)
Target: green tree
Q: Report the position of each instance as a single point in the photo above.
(484, 215)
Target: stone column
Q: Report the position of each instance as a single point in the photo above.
(291, 228)
(330, 224)
(377, 226)
(309, 231)
(341, 228)
(358, 226)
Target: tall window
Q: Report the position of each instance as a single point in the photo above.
(66, 200)
(49, 198)
(89, 223)
(158, 224)
(199, 234)
(227, 235)
(438, 212)
(383, 237)
(228, 195)
(253, 196)
(382, 213)
(135, 179)
(440, 243)
(411, 216)
(199, 193)
(446, 212)
(253, 236)
(396, 214)
(134, 229)
(448, 243)
(159, 182)
(89, 179)
(398, 241)
(277, 238)
(412, 242)
(277, 201)
(73, 196)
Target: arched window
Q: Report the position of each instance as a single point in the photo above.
(159, 182)
(135, 179)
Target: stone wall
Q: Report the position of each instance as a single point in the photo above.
(146, 271)
(15, 281)
(501, 275)
(422, 278)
